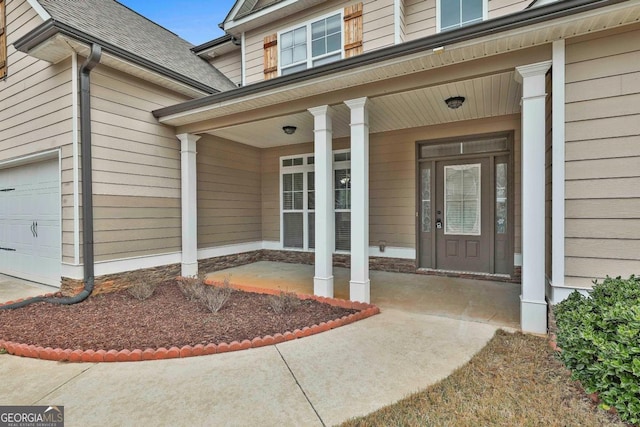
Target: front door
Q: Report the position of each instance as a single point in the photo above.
(463, 217)
(465, 202)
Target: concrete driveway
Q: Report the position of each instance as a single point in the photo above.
(319, 380)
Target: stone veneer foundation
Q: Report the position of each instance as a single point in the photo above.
(119, 281)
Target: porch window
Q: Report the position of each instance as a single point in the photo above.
(298, 201)
(458, 13)
(314, 43)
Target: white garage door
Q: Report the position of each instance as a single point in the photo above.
(30, 222)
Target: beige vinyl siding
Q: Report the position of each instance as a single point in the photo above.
(603, 156)
(36, 112)
(504, 7)
(230, 64)
(35, 96)
(377, 25)
(420, 18)
(229, 192)
(392, 179)
(136, 168)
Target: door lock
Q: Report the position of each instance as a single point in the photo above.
(438, 223)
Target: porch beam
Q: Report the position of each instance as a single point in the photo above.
(359, 285)
(533, 306)
(324, 221)
(189, 204)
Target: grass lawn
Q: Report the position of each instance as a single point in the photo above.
(514, 381)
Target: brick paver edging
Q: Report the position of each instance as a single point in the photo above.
(68, 355)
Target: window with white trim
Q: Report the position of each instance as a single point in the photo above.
(297, 194)
(315, 43)
(458, 13)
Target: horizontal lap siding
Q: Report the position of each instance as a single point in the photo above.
(229, 193)
(36, 107)
(230, 64)
(603, 157)
(378, 24)
(136, 168)
(420, 18)
(504, 7)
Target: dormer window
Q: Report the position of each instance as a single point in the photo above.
(458, 13)
(297, 54)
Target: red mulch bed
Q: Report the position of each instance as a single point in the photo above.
(118, 321)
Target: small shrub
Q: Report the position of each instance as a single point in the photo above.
(142, 291)
(191, 287)
(215, 297)
(600, 340)
(284, 302)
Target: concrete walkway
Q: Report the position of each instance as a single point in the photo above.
(319, 380)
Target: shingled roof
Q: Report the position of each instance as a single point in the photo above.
(116, 24)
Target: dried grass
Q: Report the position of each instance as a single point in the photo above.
(515, 380)
(191, 287)
(284, 302)
(215, 297)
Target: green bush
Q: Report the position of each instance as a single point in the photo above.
(600, 340)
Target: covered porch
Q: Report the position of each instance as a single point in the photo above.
(495, 303)
(392, 116)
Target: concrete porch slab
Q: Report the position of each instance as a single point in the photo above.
(485, 301)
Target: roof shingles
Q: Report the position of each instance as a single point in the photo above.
(120, 26)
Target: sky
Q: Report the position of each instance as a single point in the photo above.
(196, 21)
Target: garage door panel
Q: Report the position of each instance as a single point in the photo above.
(30, 222)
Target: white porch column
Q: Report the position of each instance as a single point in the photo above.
(324, 221)
(533, 306)
(558, 175)
(189, 204)
(359, 286)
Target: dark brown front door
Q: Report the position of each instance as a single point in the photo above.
(462, 222)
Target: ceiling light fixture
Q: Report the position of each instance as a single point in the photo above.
(289, 130)
(454, 102)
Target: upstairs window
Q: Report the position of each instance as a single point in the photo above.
(315, 43)
(3, 40)
(458, 13)
(319, 41)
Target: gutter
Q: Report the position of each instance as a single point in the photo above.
(213, 43)
(505, 23)
(87, 189)
(51, 27)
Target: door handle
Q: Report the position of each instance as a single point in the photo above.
(36, 229)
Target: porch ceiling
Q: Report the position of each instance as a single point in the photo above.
(487, 96)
